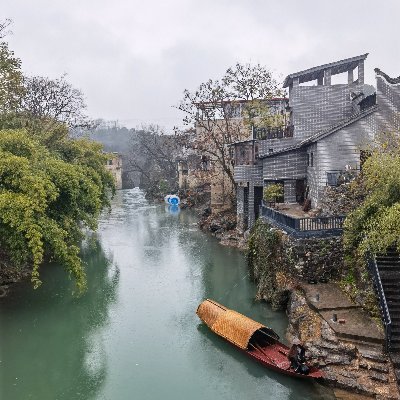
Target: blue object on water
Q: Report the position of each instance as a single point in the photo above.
(172, 199)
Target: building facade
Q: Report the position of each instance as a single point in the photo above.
(114, 165)
(330, 128)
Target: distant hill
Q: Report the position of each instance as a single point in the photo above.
(114, 139)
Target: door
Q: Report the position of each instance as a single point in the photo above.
(300, 190)
(258, 195)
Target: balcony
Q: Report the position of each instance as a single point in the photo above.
(304, 227)
(273, 133)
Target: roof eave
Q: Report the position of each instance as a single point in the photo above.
(350, 60)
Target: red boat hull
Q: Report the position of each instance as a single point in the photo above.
(255, 339)
(275, 357)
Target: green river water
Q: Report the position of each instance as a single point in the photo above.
(134, 334)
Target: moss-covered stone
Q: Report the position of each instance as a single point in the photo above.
(265, 258)
(278, 262)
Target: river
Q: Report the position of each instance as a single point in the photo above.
(134, 334)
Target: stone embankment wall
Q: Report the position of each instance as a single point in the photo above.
(342, 199)
(278, 262)
(280, 266)
(353, 366)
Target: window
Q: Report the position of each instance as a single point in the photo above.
(311, 159)
(308, 160)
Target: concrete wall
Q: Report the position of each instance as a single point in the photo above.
(114, 165)
(290, 165)
(388, 99)
(342, 148)
(313, 174)
(265, 146)
(316, 108)
(247, 173)
(289, 191)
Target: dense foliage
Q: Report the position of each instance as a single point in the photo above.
(375, 224)
(265, 260)
(51, 186)
(273, 192)
(46, 197)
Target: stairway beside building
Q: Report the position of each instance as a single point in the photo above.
(389, 271)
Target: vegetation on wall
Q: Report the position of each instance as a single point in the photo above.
(265, 260)
(375, 224)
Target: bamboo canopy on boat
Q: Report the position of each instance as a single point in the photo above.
(233, 326)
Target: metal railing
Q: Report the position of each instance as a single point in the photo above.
(273, 132)
(387, 321)
(321, 226)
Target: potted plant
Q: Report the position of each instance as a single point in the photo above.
(272, 193)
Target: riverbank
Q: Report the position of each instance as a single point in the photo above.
(223, 227)
(10, 275)
(341, 340)
(302, 276)
(137, 320)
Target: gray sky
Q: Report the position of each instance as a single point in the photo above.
(134, 58)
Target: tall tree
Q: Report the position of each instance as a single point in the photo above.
(11, 81)
(153, 155)
(222, 111)
(51, 186)
(55, 100)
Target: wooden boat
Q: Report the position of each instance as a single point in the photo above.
(256, 340)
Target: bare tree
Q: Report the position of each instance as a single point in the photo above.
(223, 111)
(55, 100)
(153, 155)
(3, 27)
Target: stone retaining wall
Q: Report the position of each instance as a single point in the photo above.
(314, 259)
(353, 366)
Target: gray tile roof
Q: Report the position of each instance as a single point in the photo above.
(393, 81)
(324, 133)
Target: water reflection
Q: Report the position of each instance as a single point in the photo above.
(173, 209)
(135, 333)
(61, 353)
(288, 387)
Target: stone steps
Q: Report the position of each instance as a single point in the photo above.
(389, 277)
(394, 309)
(389, 271)
(388, 263)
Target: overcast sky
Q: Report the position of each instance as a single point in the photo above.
(133, 58)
